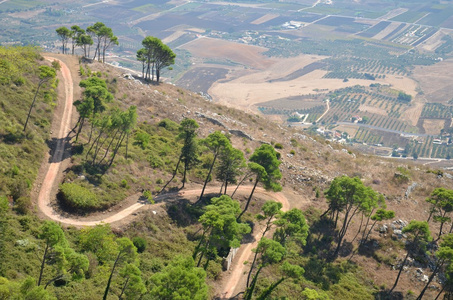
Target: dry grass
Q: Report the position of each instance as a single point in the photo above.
(433, 126)
(435, 80)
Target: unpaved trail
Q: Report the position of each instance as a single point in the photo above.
(52, 171)
(231, 286)
(44, 197)
(327, 110)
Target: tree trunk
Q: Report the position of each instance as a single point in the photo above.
(207, 177)
(33, 103)
(251, 269)
(226, 185)
(342, 231)
(197, 249)
(116, 150)
(358, 231)
(249, 199)
(438, 295)
(110, 277)
(127, 144)
(326, 212)
(53, 280)
(270, 289)
(123, 289)
(249, 290)
(43, 263)
(80, 129)
(369, 232)
(436, 269)
(108, 147)
(185, 173)
(366, 225)
(399, 273)
(174, 174)
(92, 145)
(97, 149)
(203, 252)
(240, 182)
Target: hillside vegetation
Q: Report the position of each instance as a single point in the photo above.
(132, 139)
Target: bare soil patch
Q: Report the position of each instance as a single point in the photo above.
(386, 31)
(401, 83)
(247, 55)
(433, 42)
(372, 109)
(173, 36)
(393, 13)
(264, 19)
(351, 130)
(432, 126)
(435, 81)
(413, 113)
(253, 88)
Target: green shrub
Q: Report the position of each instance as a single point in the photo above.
(293, 152)
(149, 196)
(78, 197)
(140, 244)
(169, 125)
(124, 184)
(142, 139)
(23, 205)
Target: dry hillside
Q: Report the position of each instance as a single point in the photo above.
(308, 164)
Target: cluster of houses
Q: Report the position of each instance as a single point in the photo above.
(334, 135)
(292, 25)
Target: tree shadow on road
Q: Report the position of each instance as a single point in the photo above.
(64, 144)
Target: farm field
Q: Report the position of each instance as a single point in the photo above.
(282, 57)
(437, 86)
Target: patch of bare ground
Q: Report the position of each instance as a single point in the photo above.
(433, 126)
(253, 89)
(433, 42)
(264, 19)
(402, 83)
(435, 81)
(372, 109)
(393, 13)
(413, 113)
(240, 53)
(351, 130)
(383, 33)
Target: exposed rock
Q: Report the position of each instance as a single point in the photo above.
(383, 229)
(410, 189)
(241, 133)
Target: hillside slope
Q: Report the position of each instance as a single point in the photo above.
(308, 166)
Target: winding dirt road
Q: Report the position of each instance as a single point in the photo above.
(231, 284)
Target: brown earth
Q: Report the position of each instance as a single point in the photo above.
(433, 126)
(435, 81)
